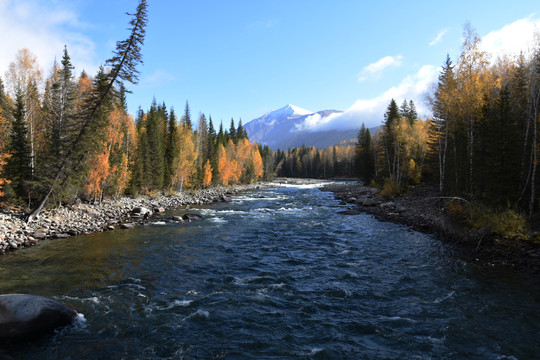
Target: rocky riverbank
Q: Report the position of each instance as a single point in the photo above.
(422, 210)
(83, 218)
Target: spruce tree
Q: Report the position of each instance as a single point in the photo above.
(241, 133)
(155, 146)
(213, 149)
(391, 118)
(186, 119)
(232, 132)
(19, 168)
(365, 166)
(172, 147)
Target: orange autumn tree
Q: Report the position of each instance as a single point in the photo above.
(239, 162)
(207, 174)
(97, 175)
(109, 171)
(184, 162)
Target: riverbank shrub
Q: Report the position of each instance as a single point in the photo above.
(507, 223)
(390, 189)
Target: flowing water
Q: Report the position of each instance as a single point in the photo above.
(274, 274)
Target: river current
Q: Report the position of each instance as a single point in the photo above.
(274, 274)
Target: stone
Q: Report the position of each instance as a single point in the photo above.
(140, 210)
(178, 218)
(72, 232)
(351, 199)
(23, 316)
(192, 217)
(110, 227)
(370, 202)
(40, 235)
(159, 210)
(60, 236)
(127, 226)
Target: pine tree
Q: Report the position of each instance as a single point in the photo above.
(240, 131)
(155, 146)
(221, 136)
(19, 168)
(232, 132)
(186, 119)
(363, 155)
(391, 120)
(171, 149)
(412, 115)
(212, 150)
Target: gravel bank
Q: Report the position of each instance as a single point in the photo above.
(83, 218)
(421, 209)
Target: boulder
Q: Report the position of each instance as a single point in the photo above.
(72, 232)
(140, 210)
(192, 217)
(22, 316)
(177, 218)
(159, 210)
(127, 226)
(370, 202)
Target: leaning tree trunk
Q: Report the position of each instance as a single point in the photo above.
(123, 64)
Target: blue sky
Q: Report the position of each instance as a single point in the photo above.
(242, 59)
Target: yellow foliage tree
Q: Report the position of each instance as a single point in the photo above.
(185, 161)
(97, 176)
(207, 174)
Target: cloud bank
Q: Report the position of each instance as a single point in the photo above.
(512, 39)
(370, 111)
(509, 40)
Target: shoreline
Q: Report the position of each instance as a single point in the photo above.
(419, 210)
(85, 218)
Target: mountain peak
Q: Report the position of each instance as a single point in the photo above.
(293, 110)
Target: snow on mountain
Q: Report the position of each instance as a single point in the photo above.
(285, 127)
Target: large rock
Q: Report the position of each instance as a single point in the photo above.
(140, 210)
(22, 316)
(192, 217)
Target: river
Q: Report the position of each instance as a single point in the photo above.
(274, 274)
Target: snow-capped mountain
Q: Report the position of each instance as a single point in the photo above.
(284, 128)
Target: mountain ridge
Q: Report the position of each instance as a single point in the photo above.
(284, 128)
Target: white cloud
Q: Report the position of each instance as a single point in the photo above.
(370, 111)
(512, 39)
(375, 69)
(44, 28)
(157, 78)
(439, 37)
